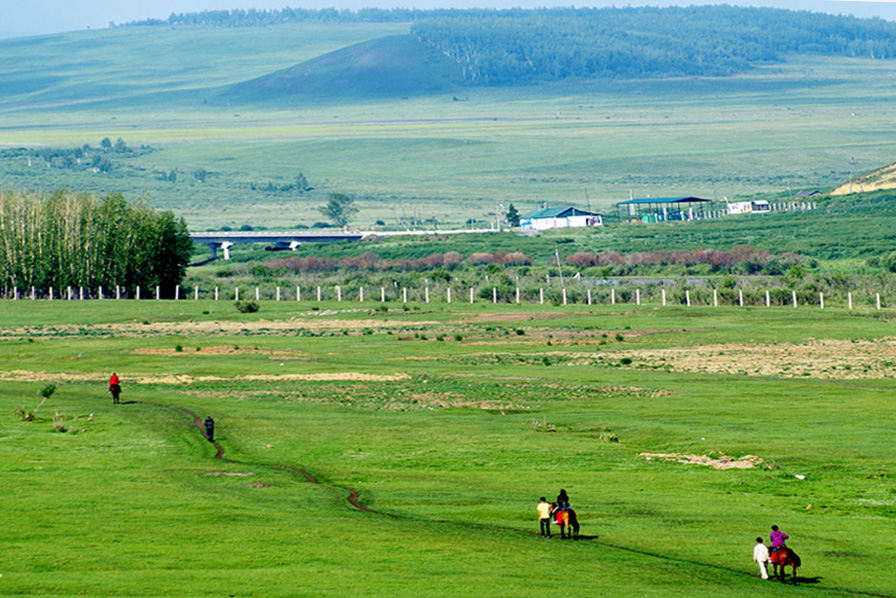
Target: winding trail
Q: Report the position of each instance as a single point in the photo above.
(355, 501)
(354, 498)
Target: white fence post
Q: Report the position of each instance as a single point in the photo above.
(158, 292)
(426, 294)
(361, 295)
(638, 296)
(494, 295)
(318, 294)
(740, 297)
(471, 294)
(404, 294)
(138, 293)
(117, 292)
(877, 296)
(257, 294)
(821, 300)
(768, 298)
(687, 297)
(613, 296)
(664, 297)
(101, 292)
(236, 294)
(849, 300)
(793, 294)
(564, 295)
(217, 293)
(177, 292)
(715, 297)
(338, 293)
(382, 294)
(196, 293)
(517, 295)
(298, 293)
(51, 293)
(278, 293)
(449, 294)
(589, 296)
(541, 296)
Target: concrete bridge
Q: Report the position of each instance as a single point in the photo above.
(291, 240)
(282, 240)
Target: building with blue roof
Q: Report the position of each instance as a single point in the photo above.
(568, 217)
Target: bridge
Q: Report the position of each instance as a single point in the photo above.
(292, 240)
(282, 240)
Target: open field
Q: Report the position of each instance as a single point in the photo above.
(448, 422)
(447, 158)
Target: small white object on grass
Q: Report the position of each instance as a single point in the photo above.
(800, 476)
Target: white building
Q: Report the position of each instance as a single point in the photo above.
(568, 217)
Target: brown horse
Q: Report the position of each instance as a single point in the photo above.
(782, 558)
(567, 522)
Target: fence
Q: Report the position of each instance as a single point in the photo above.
(563, 295)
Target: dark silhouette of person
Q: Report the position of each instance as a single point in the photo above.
(210, 428)
(562, 500)
(115, 388)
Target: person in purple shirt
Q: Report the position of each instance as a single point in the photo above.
(777, 537)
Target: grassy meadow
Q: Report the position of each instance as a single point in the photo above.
(447, 157)
(449, 422)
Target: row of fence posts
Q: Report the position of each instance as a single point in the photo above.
(70, 294)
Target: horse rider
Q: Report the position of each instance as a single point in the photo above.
(562, 500)
(777, 538)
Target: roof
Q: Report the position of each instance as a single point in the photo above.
(565, 212)
(655, 200)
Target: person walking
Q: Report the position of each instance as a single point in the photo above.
(210, 428)
(760, 557)
(544, 517)
(115, 388)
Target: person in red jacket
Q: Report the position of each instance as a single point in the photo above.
(115, 388)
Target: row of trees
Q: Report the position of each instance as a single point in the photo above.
(71, 239)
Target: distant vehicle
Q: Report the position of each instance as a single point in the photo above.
(759, 206)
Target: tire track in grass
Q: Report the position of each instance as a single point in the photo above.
(355, 500)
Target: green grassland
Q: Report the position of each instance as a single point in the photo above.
(446, 156)
(450, 422)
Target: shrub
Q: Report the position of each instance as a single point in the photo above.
(246, 307)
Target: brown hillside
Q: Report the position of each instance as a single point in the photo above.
(884, 178)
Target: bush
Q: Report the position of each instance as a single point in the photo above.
(246, 307)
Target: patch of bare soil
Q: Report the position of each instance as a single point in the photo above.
(721, 462)
(826, 358)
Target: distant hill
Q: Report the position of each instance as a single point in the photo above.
(389, 67)
(451, 48)
(880, 179)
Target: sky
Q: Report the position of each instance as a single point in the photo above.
(23, 18)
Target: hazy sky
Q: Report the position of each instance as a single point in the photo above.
(20, 18)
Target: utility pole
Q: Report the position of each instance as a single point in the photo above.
(559, 268)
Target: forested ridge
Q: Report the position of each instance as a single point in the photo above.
(500, 47)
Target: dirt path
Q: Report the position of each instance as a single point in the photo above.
(354, 498)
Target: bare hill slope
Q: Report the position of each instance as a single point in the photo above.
(389, 67)
(882, 178)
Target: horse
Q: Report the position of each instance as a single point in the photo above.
(567, 522)
(782, 558)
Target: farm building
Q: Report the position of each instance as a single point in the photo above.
(568, 217)
(662, 209)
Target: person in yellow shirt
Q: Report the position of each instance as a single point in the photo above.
(544, 517)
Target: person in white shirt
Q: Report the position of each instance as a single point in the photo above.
(760, 556)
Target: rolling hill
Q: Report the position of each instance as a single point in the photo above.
(388, 67)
